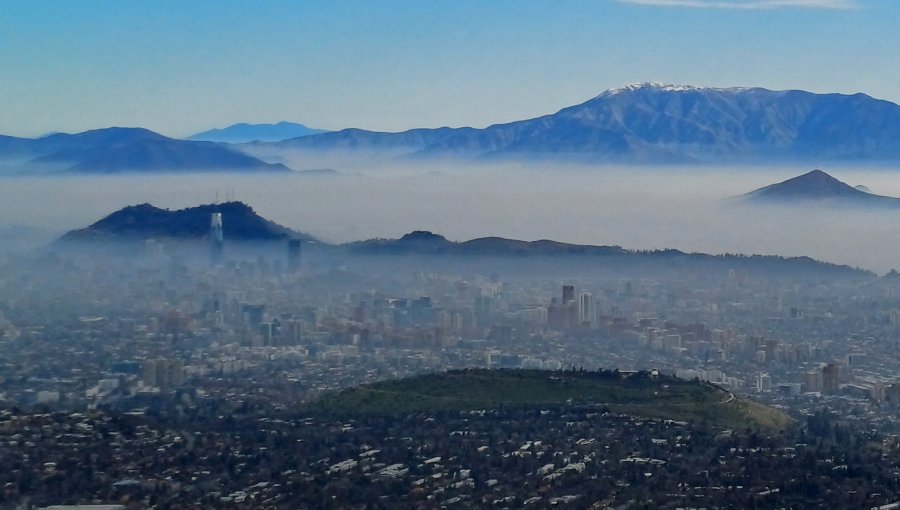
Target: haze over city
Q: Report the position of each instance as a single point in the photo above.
(637, 208)
(625, 254)
(180, 69)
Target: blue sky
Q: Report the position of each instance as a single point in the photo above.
(179, 67)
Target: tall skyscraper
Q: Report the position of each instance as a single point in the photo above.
(569, 307)
(161, 365)
(216, 238)
(176, 372)
(483, 310)
(293, 254)
(568, 294)
(585, 309)
(831, 378)
(149, 373)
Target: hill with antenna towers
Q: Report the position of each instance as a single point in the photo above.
(144, 221)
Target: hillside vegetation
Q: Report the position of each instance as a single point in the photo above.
(640, 394)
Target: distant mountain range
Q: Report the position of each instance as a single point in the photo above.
(818, 188)
(654, 123)
(144, 221)
(244, 133)
(122, 150)
(645, 123)
(241, 223)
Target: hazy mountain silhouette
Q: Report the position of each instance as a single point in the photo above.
(428, 244)
(820, 188)
(243, 133)
(120, 150)
(664, 123)
(239, 222)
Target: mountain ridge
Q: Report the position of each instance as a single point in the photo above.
(655, 123)
(144, 221)
(647, 123)
(425, 243)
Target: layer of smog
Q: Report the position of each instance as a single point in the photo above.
(633, 207)
(397, 255)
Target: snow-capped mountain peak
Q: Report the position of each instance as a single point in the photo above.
(661, 87)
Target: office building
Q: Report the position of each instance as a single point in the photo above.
(568, 294)
(216, 239)
(585, 309)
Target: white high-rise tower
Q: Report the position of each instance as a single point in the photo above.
(216, 238)
(585, 309)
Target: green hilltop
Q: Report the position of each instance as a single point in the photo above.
(641, 394)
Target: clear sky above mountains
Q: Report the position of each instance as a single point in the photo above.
(180, 67)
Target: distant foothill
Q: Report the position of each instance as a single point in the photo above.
(817, 188)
